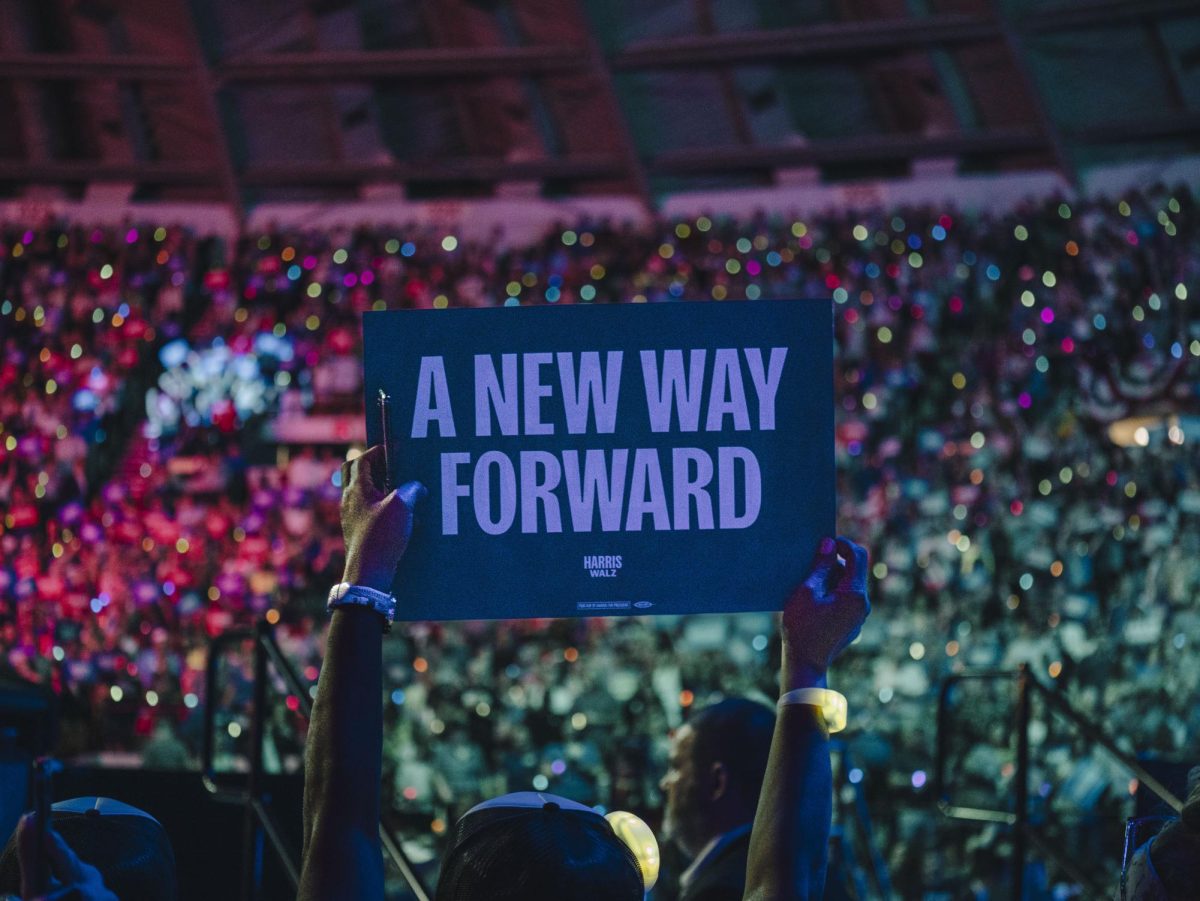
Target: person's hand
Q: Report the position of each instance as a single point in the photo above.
(70, 877)
(825, 613)
(376, 524)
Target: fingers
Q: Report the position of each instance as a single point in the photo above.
(822, 566)
(366, 473)
(854, 575)
(411, 493)
(26, 853)
(65, 866)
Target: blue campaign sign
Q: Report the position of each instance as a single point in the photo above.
(606, 460)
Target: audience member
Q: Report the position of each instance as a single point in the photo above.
(342, 854)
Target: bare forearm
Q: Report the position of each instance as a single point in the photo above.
(788, 845)
(343, 757)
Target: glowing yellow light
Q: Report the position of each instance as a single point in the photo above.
(1054, 669)
(441, 302)
(312, 322)
(1021, 233)
(683, 230)
(182, 545)
(861, 233)
(666, 251)
(272, 616)
(884, 334)
(958, 380)
(638, 837)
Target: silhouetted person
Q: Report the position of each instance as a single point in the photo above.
(716, 767)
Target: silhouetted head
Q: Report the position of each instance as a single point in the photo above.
(128, 846)
(1167, 867)
(535, 847)
(715, 771)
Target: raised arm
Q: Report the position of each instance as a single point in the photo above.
(789, 842)
(343, 756)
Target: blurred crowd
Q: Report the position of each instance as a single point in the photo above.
(1018, 417)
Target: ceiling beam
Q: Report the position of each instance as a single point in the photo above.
(1174, 126)
(1105, 12)
(838, 39)
(152, 173)
(815, 41)
(434, 62)
(868, 148)
(81, 67)
(479, 169)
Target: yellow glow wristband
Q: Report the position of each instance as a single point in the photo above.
(832, 705)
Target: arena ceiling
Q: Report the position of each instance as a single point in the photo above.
(334, 100)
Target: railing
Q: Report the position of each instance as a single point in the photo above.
(853, 812)
(259, 822)
(1023, 835)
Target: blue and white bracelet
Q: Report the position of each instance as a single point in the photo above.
(344, 594)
